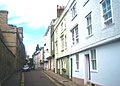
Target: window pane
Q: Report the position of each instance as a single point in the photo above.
(109, 14)
(77, 61)
(103, 5)
(109, 7)
(105, 16)
(94, 65)
(93, 59)
(93, 54)
(89, 29)
(72, 33)
(73, 10)
(108, 2)
(89, 24)
(77, 40)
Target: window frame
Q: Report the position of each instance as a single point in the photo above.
(62, 26)
(109, 21)
(75, 35)
(77, 61)
(65, 42)
(89, 24)
(62, 43)
(74, 10)
(93, 60)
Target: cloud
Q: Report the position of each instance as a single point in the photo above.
(34, 16)
(34, 12)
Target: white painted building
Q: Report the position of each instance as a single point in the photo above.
(94, 52)
(37, 59)
(93, 42)
(48, 60)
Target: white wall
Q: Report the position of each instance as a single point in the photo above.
(108, 65)
(37, 60)
(80, 72)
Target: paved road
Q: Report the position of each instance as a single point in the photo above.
(37, 78)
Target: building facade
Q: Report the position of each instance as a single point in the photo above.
(12, 42)
(86, 42)
(98, 39)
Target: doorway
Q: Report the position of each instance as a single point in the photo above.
(71, 68)
(87, 67)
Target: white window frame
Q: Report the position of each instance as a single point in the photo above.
(89, 24)
(65, 42)
(77, 61)
(74, 10)
(62, 26)
(56, 48)
(62, 43)
(75, 35)
(108, 21)
(93, 59)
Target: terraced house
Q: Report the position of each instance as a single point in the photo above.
(87, 41)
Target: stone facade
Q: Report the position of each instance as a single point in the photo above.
(7, 61)
(12, 56)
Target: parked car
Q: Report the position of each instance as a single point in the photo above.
(26, 68)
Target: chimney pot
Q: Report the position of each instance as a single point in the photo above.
(4, 16)
(59, 10)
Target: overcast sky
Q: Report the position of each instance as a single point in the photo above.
(34, 16)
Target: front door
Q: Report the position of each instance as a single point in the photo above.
(87, 67)
(71, 68)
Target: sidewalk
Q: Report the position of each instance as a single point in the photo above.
(61, 80)
(14, 80)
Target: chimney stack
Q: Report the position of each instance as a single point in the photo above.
(4, 16)
(59, 10)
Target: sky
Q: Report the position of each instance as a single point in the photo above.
(34, 16)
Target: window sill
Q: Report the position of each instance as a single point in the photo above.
(89, 36)
(76, 70)
(106, 27)
(75, 45)
(94, 71)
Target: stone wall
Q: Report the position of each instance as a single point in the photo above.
(7, 62)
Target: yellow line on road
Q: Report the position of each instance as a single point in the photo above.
(22, 81)
(52, 80)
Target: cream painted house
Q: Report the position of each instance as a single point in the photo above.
(61, 43)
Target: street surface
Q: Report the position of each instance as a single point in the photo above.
(37, 78)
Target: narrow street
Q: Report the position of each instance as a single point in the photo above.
(37, 78)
